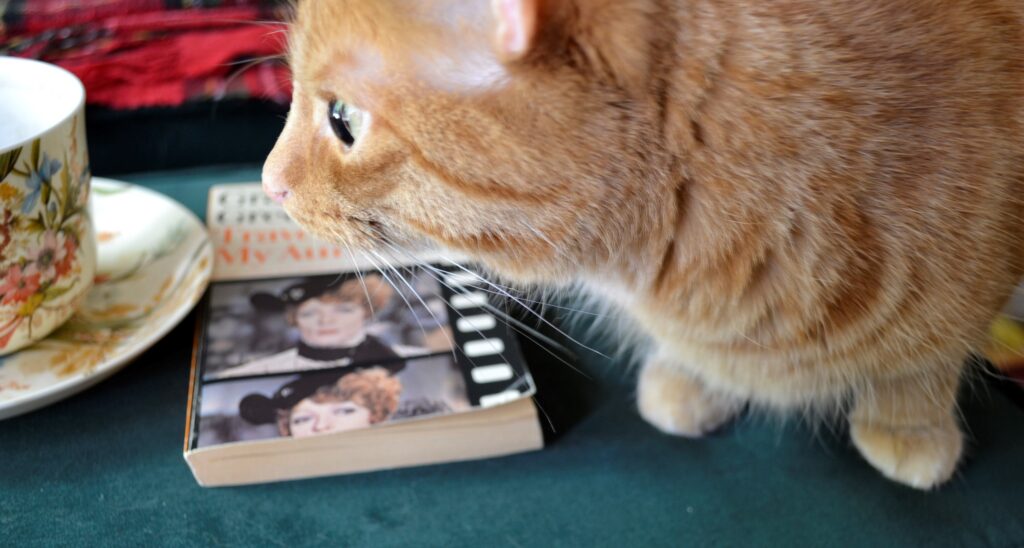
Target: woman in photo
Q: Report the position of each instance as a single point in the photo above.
(324, 403)
(331, 318)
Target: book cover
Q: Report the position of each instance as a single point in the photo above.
(300, 344)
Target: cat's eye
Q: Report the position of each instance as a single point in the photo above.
(346, 121)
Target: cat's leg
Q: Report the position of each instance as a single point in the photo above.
(907, 427)
(678, 404)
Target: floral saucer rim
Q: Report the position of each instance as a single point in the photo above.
(122, 335)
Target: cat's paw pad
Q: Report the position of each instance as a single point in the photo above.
(922, 458)
(679, 406)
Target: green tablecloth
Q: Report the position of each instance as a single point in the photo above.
(105, 468)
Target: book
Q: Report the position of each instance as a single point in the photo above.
(310, 360)
(1006, 341)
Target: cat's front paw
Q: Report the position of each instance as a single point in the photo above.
(922, 457)
(677, 404)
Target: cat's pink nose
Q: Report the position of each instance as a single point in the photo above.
(274, 188)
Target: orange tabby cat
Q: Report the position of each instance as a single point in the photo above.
(803, 203)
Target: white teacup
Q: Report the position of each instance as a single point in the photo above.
(47, 241)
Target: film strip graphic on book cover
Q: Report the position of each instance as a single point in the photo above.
(486, 347)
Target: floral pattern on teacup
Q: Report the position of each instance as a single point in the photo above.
(43, 224)
(95, 335)
(152, 268)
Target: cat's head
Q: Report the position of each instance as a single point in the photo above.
(517, 132)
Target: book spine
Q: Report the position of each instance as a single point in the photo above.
(195, 372)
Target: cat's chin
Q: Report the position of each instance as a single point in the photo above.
(355, 235)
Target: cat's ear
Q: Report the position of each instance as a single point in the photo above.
(516, 23)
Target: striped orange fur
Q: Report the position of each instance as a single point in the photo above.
(802, 204)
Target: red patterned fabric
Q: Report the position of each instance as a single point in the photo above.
(145, 53)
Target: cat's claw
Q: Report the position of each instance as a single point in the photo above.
(922, 458)
(678, 405)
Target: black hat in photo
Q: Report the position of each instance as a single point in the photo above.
(296, 293)
(259, 409)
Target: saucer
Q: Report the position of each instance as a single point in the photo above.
(154, 263)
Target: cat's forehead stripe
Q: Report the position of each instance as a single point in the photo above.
(344, 74)
(373, 47)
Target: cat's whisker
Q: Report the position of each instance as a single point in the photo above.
(359, 275)
(440, 324)
(503, 316)
(544, 412)
(1004, 346)
(246, 66)
(256, 60)
(528, 333)
(249, 22)
(398, 291)
(520, 300)
(482, 336)
(538, 316)
(536, 232)
(509, 319)
(513, 323)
